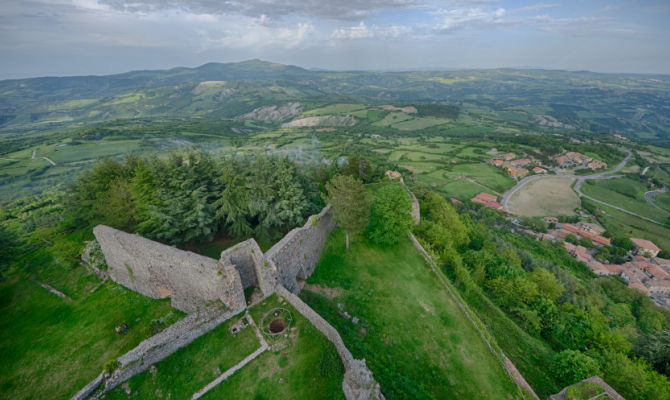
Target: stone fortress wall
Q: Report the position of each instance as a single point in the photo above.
(196, 282)
(158, 271)
(295, 256)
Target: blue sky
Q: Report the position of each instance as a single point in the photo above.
(73, 37)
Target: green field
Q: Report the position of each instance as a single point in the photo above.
(411, 333)
(191, 368)
(69, 341)
(304, 370)
(624, 193)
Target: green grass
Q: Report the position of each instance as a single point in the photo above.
(51, 348)
(418, 123)
(192, 367)
(335, 109)
(97, 149)
(411, 333)
(620, 223)
(530, 355)
(299, 366)
(625, 193)
(393, 118)
(462, 189)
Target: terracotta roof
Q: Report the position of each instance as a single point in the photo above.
(581, 232)
(639, 286)
(612, 269)
(645, 244)
(486, 197)
(662, 261)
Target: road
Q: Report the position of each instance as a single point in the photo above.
(647, 196)
(578, 185)
(580, 179)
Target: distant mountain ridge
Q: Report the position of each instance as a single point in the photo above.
(635, 105)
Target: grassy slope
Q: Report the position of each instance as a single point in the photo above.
(625, 193)
(297, 365)
(192, 367)
(51, 348)
(414, 338)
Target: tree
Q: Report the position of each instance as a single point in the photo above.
(350, 207)
(547, 284)
(390, 216)
(571, 366)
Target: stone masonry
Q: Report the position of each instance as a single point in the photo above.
(358, 383)
(247, 258)
(155, 270)
(196, 284)
(297, 253)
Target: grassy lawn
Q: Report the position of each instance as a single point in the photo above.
(462, 189)
(546, 196)
(192, 367)
(295, 372)
(625, 193)
(51, 347)
(414, 338)
(624, 224)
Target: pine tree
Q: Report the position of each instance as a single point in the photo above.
(350, 207)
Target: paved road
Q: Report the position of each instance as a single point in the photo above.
(648, 195)
(578, 185)
(580, 179)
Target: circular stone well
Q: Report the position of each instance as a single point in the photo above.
(277, 325)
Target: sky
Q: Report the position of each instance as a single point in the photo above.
(94, 37)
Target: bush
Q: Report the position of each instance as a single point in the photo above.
(111, 365)
(329, 362)
(572, 366)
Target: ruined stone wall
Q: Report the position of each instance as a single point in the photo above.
(358, 383)
(156, 348)
(296, 255)
(247, 258)
(155, 270)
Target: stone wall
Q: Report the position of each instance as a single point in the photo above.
(155, 270)
(247, 258)
(156, 348)
(358, 383)
(297, 253)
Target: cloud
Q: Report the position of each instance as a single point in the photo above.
(468, 18)
(362, 31)
(535, 7)
(327, 9)
(610, 7)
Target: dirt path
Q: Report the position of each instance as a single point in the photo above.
(49, 160)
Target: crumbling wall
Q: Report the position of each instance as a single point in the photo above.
(359, 382)
(155, 270)
(247, 258)
(297, 253)
(155, 349)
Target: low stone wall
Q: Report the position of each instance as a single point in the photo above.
(297, 253)
(156, 270)
(156, 348)
(505, 362)
(358, 383)
(248, 259)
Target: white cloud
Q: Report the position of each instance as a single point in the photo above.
(362, 31)
(468, 18)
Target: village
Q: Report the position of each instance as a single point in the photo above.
(520, 167)
(645, 271)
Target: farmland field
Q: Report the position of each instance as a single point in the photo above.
(543, 197)
(624, 193)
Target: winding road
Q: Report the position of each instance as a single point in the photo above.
(578, 185)
(647, 196)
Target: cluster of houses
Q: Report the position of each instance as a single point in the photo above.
(513, 166)
(487, 200)
(574, 159)
(518, 167)
(647, 272)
